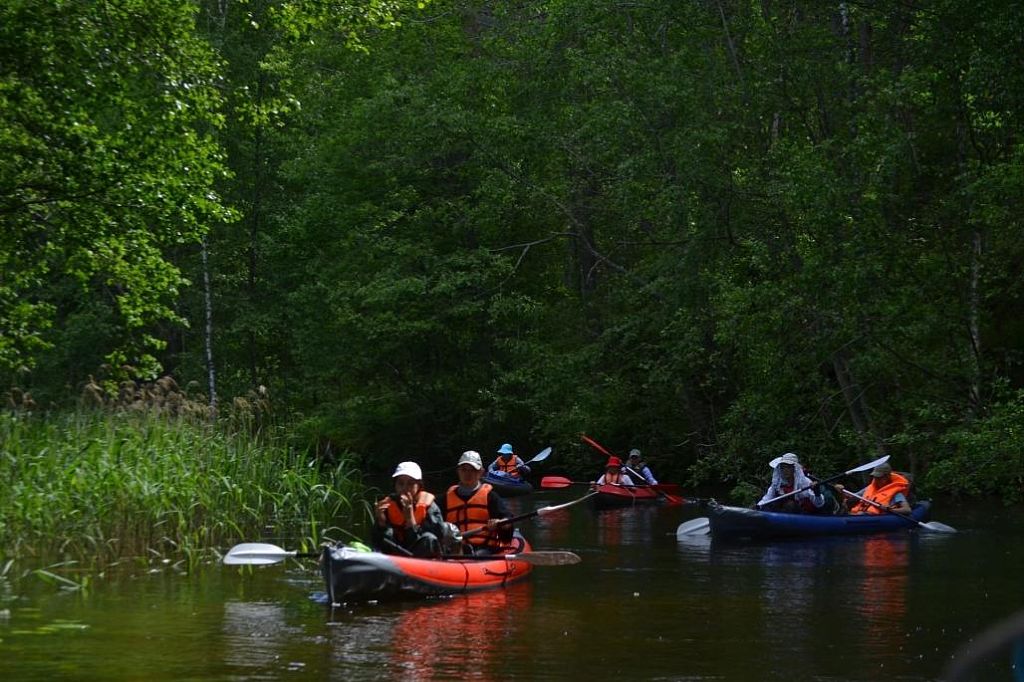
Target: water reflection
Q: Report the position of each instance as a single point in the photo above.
(459, 637)
(882, 606)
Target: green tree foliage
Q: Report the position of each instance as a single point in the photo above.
(107, 161)
(715, 230)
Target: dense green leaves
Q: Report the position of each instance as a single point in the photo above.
(714, 230)
(106, 162)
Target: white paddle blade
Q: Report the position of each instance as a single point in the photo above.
(540, 456)
(870, 465)
(938, 527)
(255, 554)
(698, 526)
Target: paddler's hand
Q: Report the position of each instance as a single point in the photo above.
(493, 523)
(408, 507)
(382, 512)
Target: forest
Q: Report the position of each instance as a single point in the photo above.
(714, 230)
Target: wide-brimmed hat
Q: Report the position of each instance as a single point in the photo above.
(506, 449)
(788, 458)
(883, 469)
(410, 469)
(472, 458)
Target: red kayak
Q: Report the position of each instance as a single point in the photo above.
(610, 496)
(351, 575)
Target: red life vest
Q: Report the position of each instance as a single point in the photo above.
(508, 467)
(470, 514)
(613, 479)
(882, 494)
(805, 504)
(396, 517)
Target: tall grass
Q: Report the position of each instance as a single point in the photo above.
(102, 487)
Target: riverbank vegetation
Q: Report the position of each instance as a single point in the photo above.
(713, 230)
(101, 488)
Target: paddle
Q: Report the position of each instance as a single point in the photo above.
(862, 467)
(529, 515)
(670, 498)
(539, 558)
(540, 456)
(934, 526)
(597, 446)
(562, 482)
(698, 526)
(262, 554)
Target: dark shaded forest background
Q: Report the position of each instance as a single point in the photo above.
(711, 229)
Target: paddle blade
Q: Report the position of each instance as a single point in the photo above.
(546, 558)
(869, 465)
(937, 527)
(594, 444)
(698, 526)
(555, 482)
(540, 456)
(255, 554)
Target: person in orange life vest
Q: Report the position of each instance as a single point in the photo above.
(472, 505)
(613, 474)
(788, 475)
(886, 488)
(409, 518)
(508, 463)
(635, 463)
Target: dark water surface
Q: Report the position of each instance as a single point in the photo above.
(641, 606)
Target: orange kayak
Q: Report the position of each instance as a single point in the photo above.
(351, 575)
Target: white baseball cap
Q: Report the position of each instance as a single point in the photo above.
(410, 469)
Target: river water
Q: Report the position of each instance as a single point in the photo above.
(640, 606)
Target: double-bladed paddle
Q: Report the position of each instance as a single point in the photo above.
(262, 554)
(862, 467)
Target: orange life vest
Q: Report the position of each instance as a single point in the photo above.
(881, 494)
(508, 467)
(396, 517)
(470, 514)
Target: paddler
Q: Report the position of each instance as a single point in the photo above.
(475, 509)
(408, 521)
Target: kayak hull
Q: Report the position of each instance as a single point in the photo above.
(616, 496)
(737, 522)
(506, 486)
(354, 576)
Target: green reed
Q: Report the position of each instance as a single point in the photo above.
(102, 488)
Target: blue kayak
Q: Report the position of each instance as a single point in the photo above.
(737, 522)
(507, 486)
